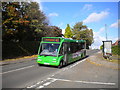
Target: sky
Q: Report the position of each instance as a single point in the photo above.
(93, 14)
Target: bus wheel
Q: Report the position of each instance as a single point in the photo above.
(60, 65)
(39, 64)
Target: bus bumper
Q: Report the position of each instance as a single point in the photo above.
(48, 63)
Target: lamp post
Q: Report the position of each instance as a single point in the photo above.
(106, 31)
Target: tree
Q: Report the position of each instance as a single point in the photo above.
(101, 47)
(36, 20)
(9, 13)
(54, 31)
(0, 13)
(22, 21)
(81, 31)
(68, 32)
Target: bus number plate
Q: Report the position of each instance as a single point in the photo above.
(46, 63)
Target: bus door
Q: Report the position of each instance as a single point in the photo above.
(65, 50)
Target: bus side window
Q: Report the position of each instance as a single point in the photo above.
(82, 46)
(65, 48)
(79, 46)
(73, 47)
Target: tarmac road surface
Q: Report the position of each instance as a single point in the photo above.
(80, 74)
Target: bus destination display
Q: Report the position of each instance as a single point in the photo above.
(51, 40)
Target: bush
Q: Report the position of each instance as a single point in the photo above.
(116, 50)
(101, 47)
(13, 50)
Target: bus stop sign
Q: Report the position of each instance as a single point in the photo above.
(107, 52)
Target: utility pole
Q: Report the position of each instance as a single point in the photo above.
(106, 31)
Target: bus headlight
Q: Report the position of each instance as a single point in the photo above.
(54, 61)
(39, 59)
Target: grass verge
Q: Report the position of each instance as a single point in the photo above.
(19, 58)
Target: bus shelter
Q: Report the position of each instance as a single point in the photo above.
(107, 52)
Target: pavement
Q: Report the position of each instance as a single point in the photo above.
(98, 60)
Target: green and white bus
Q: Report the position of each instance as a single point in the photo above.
(58, 51)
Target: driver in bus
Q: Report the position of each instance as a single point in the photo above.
(53, 49)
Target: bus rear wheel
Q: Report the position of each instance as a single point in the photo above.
(60, 65)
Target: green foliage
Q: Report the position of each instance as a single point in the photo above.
(101, 47)
(54, 31)
(14, 50)
(22, 21)
(81, 31)
(23, 24)
(68, 32)
(116, 50)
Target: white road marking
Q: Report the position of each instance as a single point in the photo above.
(47, 83)
(31, 86)
(62, 70)
(87, 82)
(53, 80)
(77, 63)
(17, 69)
(34, 85)
(41, 87)
(52, 75)
(38, 82)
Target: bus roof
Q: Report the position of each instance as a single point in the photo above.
(59, 39)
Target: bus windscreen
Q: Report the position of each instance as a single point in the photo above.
(48, 49)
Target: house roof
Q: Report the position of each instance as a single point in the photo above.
(116, 43)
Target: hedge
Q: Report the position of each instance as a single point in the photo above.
(116, 50)
(14, 50)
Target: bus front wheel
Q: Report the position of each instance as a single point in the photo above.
(60, 65)
(39, 64)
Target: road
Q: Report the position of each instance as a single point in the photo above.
(80, 74)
